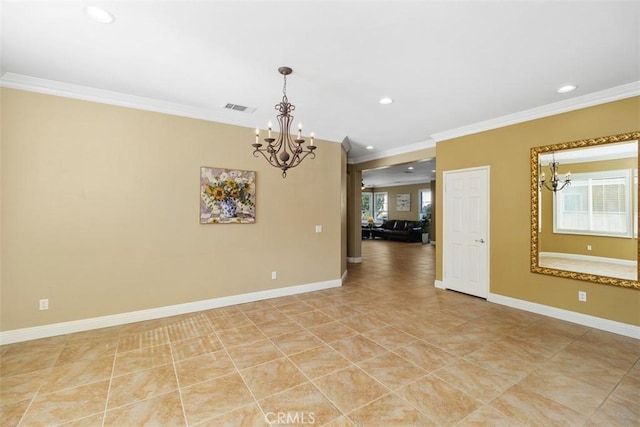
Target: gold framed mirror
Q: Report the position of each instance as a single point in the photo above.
(587, 229)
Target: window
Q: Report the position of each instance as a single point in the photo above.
(374, 205)
(424, 197)
(595, 203)
(380, 207)
(366, 207)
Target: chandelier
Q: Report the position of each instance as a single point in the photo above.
(284, 153)
(556, 183)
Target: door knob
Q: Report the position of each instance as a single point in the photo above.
(480, 240)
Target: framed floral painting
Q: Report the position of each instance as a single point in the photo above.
(227, 196)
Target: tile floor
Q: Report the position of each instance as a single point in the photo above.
(385, 349)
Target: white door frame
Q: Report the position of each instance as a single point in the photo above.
(442, 284)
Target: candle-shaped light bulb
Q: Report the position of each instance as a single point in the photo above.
(312, 139)
(257, 135)
(542, 177)
(299, 130)
(269, 125)
(568, 177)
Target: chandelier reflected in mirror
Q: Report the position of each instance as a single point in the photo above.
(284, 152)
(555, 184)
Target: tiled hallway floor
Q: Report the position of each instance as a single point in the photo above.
(385, 349)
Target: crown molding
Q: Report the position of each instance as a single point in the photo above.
(596, 98)
(428, 143)
(86, 93)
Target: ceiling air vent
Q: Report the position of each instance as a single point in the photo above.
(241, 108)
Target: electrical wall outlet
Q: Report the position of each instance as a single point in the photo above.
(44, 304)
(588, 247)
(274, 275)
(318, 229)
(582, 296)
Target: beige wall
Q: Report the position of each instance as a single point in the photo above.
(506, 151)
(100, 212)
(601, 246)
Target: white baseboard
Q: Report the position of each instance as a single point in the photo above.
(439, 284)
(591, 258)
(570, 316)
(354, 260)
(36, 332)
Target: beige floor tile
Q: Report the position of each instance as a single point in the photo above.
(77, 374)
(247, 416)
(203, 368)
(255, 353)
(164, 410)
(392, 370)
(442, 344)
(21, 387)
(222, 322)
(296, 342)
(142, 385)
(90, 421)
(188, 328)
(533, 409)
(11, 413)
(629, 387)
(96, 350)
(67, 405)
(616, 411)
(275, 328)
(440, 401)
(390, 411)
(148, 338)
(584, 369)
(305, 404)
(194, 347)
(496, 358)
(350, 388)
(16, 360)
(472, 379)
(241, 335)
(266, 316)
(425, 355)
(319, 361)
(295, 308)
(139, 360)
(577, 395)
(338, 311)
(357, 348)
(272, 377)
(389, 337)
(215, 397)
(311, 318)
(332, 331)
(488, 416)
(255, 306)
(362, 322)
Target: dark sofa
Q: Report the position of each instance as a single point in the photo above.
(399, 229)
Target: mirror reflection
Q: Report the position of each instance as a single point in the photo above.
(586, 210)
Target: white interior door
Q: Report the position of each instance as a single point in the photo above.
(466, 231)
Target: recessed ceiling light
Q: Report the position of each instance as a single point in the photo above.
(410, 168)
(369, 147)
(567, 88)
(433, 171)
(99, 15)
(386, 100)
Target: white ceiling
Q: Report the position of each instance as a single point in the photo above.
(447, 64)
